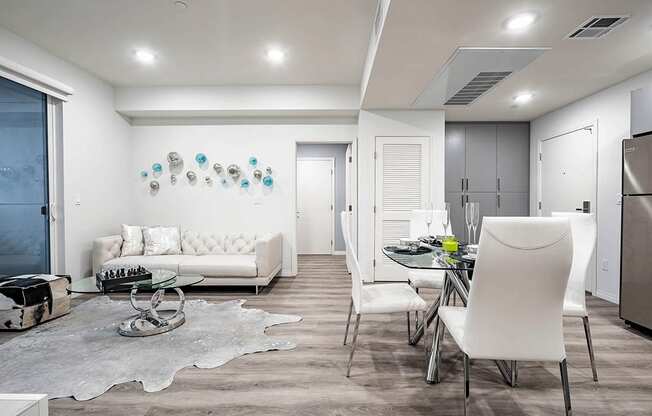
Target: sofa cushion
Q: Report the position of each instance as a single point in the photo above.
(165, 262)
(197, 243)
(161, 240)
(227, 265)
(132, 240)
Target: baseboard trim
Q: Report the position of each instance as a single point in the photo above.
(610, 297)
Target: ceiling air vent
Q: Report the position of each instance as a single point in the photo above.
(482, 83)
(597, 26)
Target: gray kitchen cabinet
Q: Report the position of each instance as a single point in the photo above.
(454, 156)
(456, 201)
(494, 161)
(514, 204)
(641, 111)
(513, 158)
(481, 158)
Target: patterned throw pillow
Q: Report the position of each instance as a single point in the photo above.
(132, 240)
(161, 240)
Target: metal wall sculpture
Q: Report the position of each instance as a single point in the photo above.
(232, 171)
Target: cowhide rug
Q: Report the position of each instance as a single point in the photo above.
(82, 355)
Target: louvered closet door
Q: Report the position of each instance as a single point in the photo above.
(402, 185)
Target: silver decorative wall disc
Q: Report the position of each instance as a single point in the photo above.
(258, 174)
(268, 170)
(174, 159)
(233, 171)
(154, 186)
(173, 179)
(218, 168)
(192, 176)
(208, 180)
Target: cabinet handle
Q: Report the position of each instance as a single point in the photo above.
(462, 184)
(467, 199)
(498, 200)
(498, 184)
(462, 201)
(467, 184)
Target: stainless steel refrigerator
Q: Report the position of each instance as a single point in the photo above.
(636, 236)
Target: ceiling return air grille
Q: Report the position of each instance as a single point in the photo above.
(597, 27)
(482, 83)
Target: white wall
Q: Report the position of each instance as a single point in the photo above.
(611, 109)
(96, 148)
(217, 208)
(372, 124)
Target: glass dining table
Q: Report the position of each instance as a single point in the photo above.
(458, 266)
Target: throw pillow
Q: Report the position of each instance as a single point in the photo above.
(132, 240)
(161, 240)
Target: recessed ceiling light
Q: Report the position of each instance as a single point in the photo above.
(145, 56)
(520, 22)
(275, 56)
(523, 98)
(180, 4)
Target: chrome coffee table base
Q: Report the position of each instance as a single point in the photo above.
(151, 321)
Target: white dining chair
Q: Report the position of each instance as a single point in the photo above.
(514, 311)
(374, 298)
(426, 279)
(583, 228)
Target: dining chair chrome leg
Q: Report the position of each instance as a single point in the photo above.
(589, 343)
(416, 314)
(563, 369)
(348, 321)
(353, 345)
(467, 369)
(514, 373)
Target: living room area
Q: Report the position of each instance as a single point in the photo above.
(278, 207)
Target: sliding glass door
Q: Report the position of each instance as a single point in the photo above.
(24, 220)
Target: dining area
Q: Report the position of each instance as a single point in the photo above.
(501, 297)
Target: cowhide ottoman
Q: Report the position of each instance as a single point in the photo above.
(28, 300)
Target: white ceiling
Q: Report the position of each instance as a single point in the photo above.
(212, 42)
(419, 36)
(223, 42)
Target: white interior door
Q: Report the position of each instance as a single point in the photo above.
(315, 204)
(402, 185)
(349, 200)
(568, 176)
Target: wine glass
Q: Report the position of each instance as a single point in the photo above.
(428, 218)
(475, 220)
(468, 218)
(446, 217)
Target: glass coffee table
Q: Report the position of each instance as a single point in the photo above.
(149, 320)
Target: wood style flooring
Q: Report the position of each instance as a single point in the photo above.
(387, 374)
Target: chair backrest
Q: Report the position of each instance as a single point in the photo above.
(583, 228)
(519, 281)
(356, 275)
(418, 226)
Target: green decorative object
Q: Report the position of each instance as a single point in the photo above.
(450, 245)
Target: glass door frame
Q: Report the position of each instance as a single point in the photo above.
(55, 208)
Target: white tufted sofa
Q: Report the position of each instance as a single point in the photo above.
(237, 259)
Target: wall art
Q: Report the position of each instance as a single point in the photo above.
(218, 168)
(173, 179)
(201, 158)
(234, 171)
(258, 174)
(174, 159)
(253, 161)
(244, 184)
(154, 186)
(192, 176)
(268, 181)
(144, 174)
